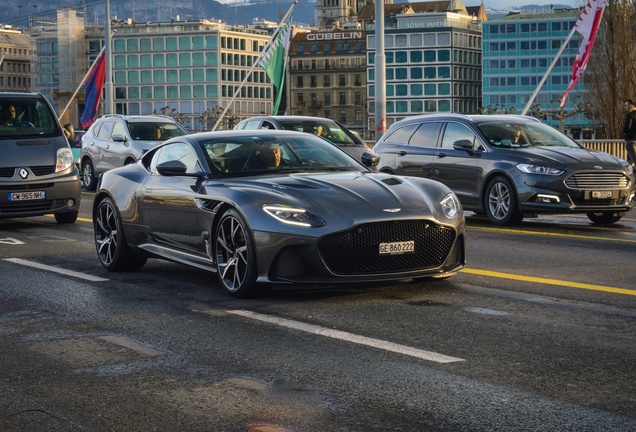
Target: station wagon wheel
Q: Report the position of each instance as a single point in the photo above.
(112, 249)
(604, 217)
(88, 175)
(501, 202)
(234, 255)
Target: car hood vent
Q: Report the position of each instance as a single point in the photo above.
(391, 181)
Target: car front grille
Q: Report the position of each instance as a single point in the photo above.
(29, 207)
(356, 251)
(36, 170)
(7, 172)
(597, 180)
(27, 187)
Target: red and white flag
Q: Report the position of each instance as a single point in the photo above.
(587, 24)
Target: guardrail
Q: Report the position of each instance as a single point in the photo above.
(613, 147)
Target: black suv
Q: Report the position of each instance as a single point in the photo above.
(508, 166)
(115, 140)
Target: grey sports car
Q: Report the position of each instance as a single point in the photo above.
(273, 207)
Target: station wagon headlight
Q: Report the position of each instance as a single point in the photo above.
(450, 206)
(294, 216)
(538, 169)
(64, 159)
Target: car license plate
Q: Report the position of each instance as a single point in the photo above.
(25, 196)
(601, 194)
(395, 248)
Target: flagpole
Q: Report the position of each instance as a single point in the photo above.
(545, 76)
(256, 63)
(81, 83)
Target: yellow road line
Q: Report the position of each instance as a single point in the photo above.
(548, 281)
(546, 233)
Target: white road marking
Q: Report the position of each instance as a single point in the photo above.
(11, 241)
(349, 337)
(56, 270)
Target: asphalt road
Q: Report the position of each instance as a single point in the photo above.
(537, 334)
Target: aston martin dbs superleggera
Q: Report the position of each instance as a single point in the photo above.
(272, 207)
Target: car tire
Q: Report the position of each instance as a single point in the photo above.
(235, 256)
(67, 217)
(501, 203)
(603, 218)
(88, 175)
(110, 241)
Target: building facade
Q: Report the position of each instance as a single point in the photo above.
(518, 50)
(65, 49)
(433, 64)
(327, 76)
(187, 68)
(15, 63)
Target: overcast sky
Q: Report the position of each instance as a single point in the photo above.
(508, 4)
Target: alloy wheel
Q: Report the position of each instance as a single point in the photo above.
(106, 234)
(234, 256)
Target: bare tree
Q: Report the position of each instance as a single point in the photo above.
(559, 113)
(611, 73)
(210, 116)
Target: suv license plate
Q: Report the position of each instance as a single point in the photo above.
(601, 194)
(395, 248)
(25, 196)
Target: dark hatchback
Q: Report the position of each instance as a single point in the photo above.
(509, 166)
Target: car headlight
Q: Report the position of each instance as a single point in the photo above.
(294, 216)
(450, 206)
(538, 169)
(629, 169)
(64, 159)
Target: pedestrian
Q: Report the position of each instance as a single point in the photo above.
(629, 131)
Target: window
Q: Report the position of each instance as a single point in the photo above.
(456, 132)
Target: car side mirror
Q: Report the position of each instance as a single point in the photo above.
(370, 159)
(466, 145)
(172, 168)
(117, 137)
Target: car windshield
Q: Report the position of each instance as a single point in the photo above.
(326, 129)
(232, 156)
(22, 118)
(155, 131)
(511, 134)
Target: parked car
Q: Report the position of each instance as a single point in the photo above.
(37, 173)
(262, 207)
(116, 140)
(329, 129)
(509, 166)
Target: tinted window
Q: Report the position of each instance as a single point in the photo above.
(426, 135)
(401, 135)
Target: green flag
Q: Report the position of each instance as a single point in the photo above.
(273, 62)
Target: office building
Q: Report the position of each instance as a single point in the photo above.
(518, 50)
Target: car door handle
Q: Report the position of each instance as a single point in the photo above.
(440, 155)
(402, 153)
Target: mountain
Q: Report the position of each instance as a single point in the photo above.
(234, 12)
(240, 12)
